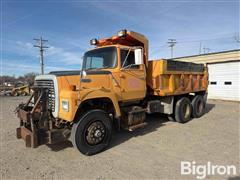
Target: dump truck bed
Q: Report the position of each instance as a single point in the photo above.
(169, 77)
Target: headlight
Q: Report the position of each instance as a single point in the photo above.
(65, 105)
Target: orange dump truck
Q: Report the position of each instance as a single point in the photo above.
(116, 87)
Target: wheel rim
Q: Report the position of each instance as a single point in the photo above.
(186, 111)
(95, 133)
(199, 106)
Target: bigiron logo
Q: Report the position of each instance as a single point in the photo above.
(201, 171)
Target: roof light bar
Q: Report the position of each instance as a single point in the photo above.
(122, 33)
(93, 41)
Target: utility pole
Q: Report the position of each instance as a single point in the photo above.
(200, 48)
(172, 43)
(40, 45)
(236, 37)
(205, 50)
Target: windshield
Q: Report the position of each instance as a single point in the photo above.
(100, 58)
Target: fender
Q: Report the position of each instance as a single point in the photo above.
(71, 97)
(87, 94)
(75, 100)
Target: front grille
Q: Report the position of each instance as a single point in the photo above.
(45, 83)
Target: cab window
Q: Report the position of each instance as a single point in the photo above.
(94, 62)
(100, 58)
(130, 61)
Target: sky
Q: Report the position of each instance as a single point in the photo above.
(69, 25)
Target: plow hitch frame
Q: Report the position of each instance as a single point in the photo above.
(36, 123)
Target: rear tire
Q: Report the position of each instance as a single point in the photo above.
(198, 106)
(183, 110)
(92, 133)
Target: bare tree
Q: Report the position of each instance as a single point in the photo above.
(25, 79)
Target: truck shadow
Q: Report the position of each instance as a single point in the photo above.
(154, 121)
(209, 107)
(60, 146)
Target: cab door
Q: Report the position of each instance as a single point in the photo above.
(132, 77)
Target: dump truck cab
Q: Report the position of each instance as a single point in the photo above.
(125, 57)
(114, 71)
(116, 87)
(119, 64)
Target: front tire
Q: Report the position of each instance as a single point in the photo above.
(92, 133)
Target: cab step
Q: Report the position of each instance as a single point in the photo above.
(137, 126)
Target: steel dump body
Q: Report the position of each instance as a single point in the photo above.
(168, 77)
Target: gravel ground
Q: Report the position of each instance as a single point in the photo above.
(153, 152)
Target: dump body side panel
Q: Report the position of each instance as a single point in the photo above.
(166, 78)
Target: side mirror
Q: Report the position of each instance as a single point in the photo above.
(138, 53)
(84, 74)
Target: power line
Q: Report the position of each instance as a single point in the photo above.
(210, 39)
(172, 43)
(40, 45)
(158, 49)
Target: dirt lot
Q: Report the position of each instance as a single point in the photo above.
(152, 152)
